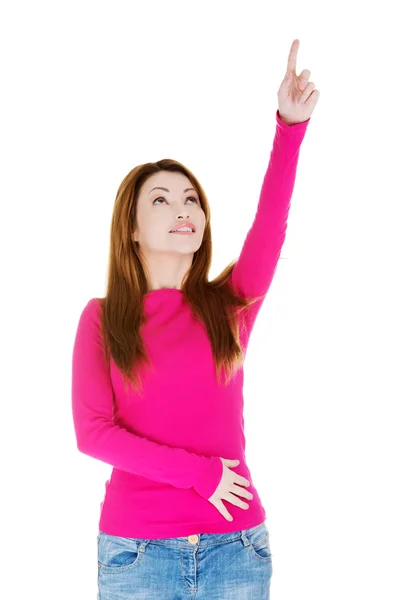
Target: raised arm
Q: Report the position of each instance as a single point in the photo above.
(255, 268)
(97, 435)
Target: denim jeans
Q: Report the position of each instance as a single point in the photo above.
(204, 566)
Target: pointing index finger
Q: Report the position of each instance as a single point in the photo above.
(291, 65)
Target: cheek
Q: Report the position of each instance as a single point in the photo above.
(154, 232)
(203, 222)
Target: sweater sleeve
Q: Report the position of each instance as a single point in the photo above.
(99, 437)
(255, 268)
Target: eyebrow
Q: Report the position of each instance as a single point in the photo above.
(167, 190)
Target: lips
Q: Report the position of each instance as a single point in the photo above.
(185, 224)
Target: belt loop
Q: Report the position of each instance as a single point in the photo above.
(244, 538)
(142, 545)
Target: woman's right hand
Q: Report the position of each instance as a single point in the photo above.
(229, 488)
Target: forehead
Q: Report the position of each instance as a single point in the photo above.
(174, 182)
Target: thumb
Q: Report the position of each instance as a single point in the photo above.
(230, 461)
(287, 80)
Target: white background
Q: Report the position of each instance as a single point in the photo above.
(91, 89)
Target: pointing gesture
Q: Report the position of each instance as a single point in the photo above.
(297, 97)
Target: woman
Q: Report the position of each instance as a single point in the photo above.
(158, 375)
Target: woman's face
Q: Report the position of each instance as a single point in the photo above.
(160, 210)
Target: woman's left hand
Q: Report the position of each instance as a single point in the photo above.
(297, 97)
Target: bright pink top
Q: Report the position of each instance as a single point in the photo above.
(164, 447)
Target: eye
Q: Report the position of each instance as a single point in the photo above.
(162, 198)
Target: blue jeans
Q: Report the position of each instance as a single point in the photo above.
(205, 566)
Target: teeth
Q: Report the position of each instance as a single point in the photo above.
(182, 229)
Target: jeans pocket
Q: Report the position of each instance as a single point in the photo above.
(116, 554)
(259, 542)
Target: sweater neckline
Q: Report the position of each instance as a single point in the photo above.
(158, 291)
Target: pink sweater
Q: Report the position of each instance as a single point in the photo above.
(164, 447)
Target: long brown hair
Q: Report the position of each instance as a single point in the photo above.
(122, 311)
